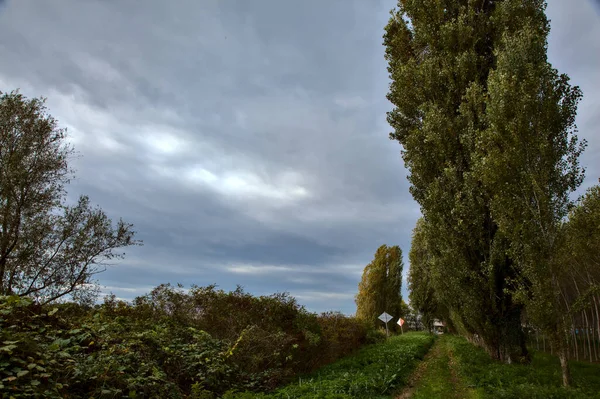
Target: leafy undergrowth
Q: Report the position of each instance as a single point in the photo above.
(541, 379)
(376, 371)
(169, 345)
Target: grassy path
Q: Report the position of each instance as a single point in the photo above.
(437, 377)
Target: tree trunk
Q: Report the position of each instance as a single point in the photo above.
(544, 341)
(509, 344)
(564, 365)
(587, 334)
(571, 327)
(574, 333)
(597, 324)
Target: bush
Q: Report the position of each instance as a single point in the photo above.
(375, 336)
(167, 344)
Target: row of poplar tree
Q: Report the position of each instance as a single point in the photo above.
(487, 127)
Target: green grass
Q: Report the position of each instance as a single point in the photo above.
(375, 372)
(436, 377)
(541, 379)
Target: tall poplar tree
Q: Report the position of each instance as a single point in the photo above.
(380, 287)
(486, 126)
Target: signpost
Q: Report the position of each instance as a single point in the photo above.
(400, 323)
(385, 318)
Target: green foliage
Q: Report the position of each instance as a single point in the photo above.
(341, 335)
(169, 344)
(530, 161)
(376, 371)
(376, 335)
(580, 252)
(540, 379)
(380, 289)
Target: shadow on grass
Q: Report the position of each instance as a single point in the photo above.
(540, 379)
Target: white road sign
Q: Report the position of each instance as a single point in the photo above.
(385, 317)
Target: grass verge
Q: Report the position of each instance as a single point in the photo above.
(540, 379)
(375, 372)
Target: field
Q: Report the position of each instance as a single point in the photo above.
(405, 367)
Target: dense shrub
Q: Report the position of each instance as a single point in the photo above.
(341, 335)
(171, 343)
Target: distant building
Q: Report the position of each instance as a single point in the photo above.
(438, 326)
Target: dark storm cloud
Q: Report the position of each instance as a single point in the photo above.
(246, 141)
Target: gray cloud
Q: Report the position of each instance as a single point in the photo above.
(574, 49)
(245, 140)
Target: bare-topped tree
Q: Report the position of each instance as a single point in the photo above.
(47, 249)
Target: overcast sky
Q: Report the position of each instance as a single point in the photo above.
(245, 140)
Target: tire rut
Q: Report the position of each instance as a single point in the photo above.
(455, 388)
(408, 390)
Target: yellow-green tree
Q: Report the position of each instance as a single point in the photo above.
(380, 287)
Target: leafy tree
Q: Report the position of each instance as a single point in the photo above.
(529, 161)
(575, 270)
(405, 310)
(380, 287)
(486, 125)
(581, 252)
(47, 249)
